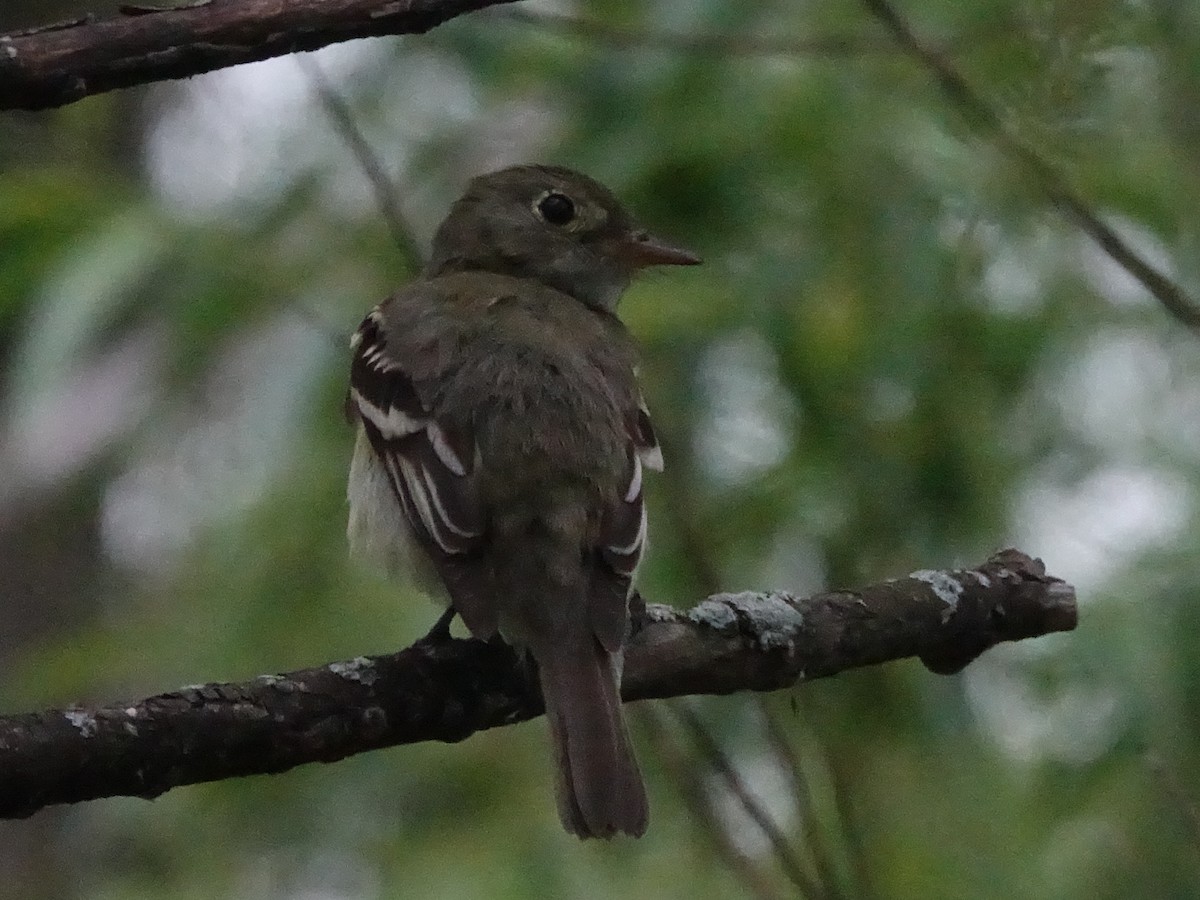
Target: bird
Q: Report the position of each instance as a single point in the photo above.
(502, 438)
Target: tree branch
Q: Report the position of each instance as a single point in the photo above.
(59, 64)
(447, 690)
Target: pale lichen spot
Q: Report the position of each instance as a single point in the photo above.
(773, 621)
(714, 613)
(83, 720)
(983, 580)
(946, 587)
(358, 669)
(280, 683)
(660, 612)
(131, 711)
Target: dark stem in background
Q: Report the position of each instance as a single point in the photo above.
(714, 44)
(716, 759)
(383, 189)
(689, 781)
(446, 691)
(1176, 793)
(1053, 184)
(722, 45)
(781, 743)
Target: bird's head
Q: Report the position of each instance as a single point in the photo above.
(554, 225)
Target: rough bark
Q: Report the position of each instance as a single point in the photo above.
(445, 690)
(58, 64)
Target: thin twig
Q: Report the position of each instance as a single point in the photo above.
(976, 109)
(714, 44)
(685, 778)
(856, 847)
(783, 748)
(853, 851)
(1184, 803)
(341, 116)
(721, 764)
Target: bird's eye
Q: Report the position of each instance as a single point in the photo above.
(556, 208)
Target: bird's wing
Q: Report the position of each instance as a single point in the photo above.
(430, 464)
(623, 534)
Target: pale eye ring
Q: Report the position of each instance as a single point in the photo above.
(556, 208)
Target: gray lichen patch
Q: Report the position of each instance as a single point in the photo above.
(83, 720)
(945, 587)
(278, 682)
(359, 669)
(982, 579)
(660, 612)
(775, 620)
(772, 620)
(714, 612)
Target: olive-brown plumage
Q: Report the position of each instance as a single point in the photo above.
(503, 436)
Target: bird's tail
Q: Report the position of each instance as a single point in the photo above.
(598, 785)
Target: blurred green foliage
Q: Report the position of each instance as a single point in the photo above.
(897, 356)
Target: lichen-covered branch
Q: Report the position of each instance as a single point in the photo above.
(446, 690)
(58, 64)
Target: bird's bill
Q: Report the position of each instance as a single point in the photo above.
(641, 250)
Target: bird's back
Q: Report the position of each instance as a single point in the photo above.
(531, 373)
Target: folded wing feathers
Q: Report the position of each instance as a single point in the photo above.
(644, 439)
(424, 463)
(625, 531)
(634, 491)
(430, 468)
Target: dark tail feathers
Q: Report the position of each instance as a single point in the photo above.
(599, 787)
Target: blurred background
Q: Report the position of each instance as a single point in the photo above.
(897, 356)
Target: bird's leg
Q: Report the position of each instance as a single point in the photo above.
(440, 632)
(637, 614)
(529, 669)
